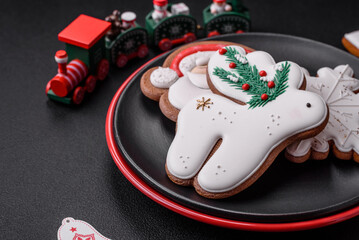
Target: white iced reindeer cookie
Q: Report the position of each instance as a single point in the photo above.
(222, 147)
(337, 87)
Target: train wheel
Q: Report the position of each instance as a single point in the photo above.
(90, 84)
(213, 33)
(78, 95)
(102, 69)
(240, 31)
(165, 44)
(189, 37)
(121, 60)
(142, 51)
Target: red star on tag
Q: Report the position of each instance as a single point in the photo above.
(73, 229)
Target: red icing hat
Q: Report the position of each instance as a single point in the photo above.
(160, 3)
(219, 1)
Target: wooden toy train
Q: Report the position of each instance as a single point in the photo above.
(92, 45)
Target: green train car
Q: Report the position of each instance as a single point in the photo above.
(235, 21)
(125, 44)
(172, 30)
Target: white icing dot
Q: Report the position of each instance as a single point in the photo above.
(233, 78)
(163, 77)
(278, 67)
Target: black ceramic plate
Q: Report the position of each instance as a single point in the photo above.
(287, 192)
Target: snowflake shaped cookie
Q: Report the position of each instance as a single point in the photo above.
(338, 88)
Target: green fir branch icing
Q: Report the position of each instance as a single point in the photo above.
(243, 73)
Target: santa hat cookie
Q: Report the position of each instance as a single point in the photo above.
(351, 42)
(181, 77)
(223, 146)
(338, 88)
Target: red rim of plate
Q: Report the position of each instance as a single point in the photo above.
(196, 215)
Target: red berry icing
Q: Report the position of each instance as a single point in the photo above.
(271, 84)
(264, 97)
(245, 86)
(222, 51)
(262, 73)
(232, 65)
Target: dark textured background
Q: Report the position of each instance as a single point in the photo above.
(54, 161)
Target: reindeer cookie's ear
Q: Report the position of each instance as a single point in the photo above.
(252, 78)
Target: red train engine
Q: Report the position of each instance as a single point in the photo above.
(84, 61)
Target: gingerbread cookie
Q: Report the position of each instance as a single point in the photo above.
(181, 77)
(351, 42)
(221, 147)
(338, 88)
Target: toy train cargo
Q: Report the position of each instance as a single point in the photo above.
(176, 29)
(92, 45)
(125, 44)
(235, 21)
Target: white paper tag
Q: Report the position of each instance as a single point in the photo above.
(72, 229)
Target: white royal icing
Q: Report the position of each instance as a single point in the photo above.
(182, 91)
(163, 77)
(248, 135)
(346, 69)
(353, 38)
(191, 84)
(190, 61)
(336, 87)
(197, 79)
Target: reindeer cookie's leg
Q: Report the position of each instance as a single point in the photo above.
(195, 138)
(188, 152)
(229, 168)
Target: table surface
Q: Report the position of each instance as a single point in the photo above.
(54, 158)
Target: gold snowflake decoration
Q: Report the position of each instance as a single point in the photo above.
(203, 103)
